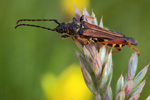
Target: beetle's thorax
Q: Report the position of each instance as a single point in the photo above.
(73, 28)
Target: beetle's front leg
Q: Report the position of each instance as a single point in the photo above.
(64, 36)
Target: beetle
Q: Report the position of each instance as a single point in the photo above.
(87, 32)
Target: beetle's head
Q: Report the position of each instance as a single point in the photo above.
(61, 28)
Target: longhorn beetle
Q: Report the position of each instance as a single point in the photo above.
(87, 32)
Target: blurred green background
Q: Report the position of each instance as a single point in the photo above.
(27, 53)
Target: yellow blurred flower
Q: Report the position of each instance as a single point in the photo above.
(68, 5)
(69, 85)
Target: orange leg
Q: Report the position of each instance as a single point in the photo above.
(82, 40)
(90, 17)
(133, 48)
(118, 50)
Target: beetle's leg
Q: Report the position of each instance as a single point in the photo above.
(118, 50)
(64, 36)
(81, 18)
(74, 19)
(130, 45)
(83, 40)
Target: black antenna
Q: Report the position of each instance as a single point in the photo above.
(38, 20)
(37, 25)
